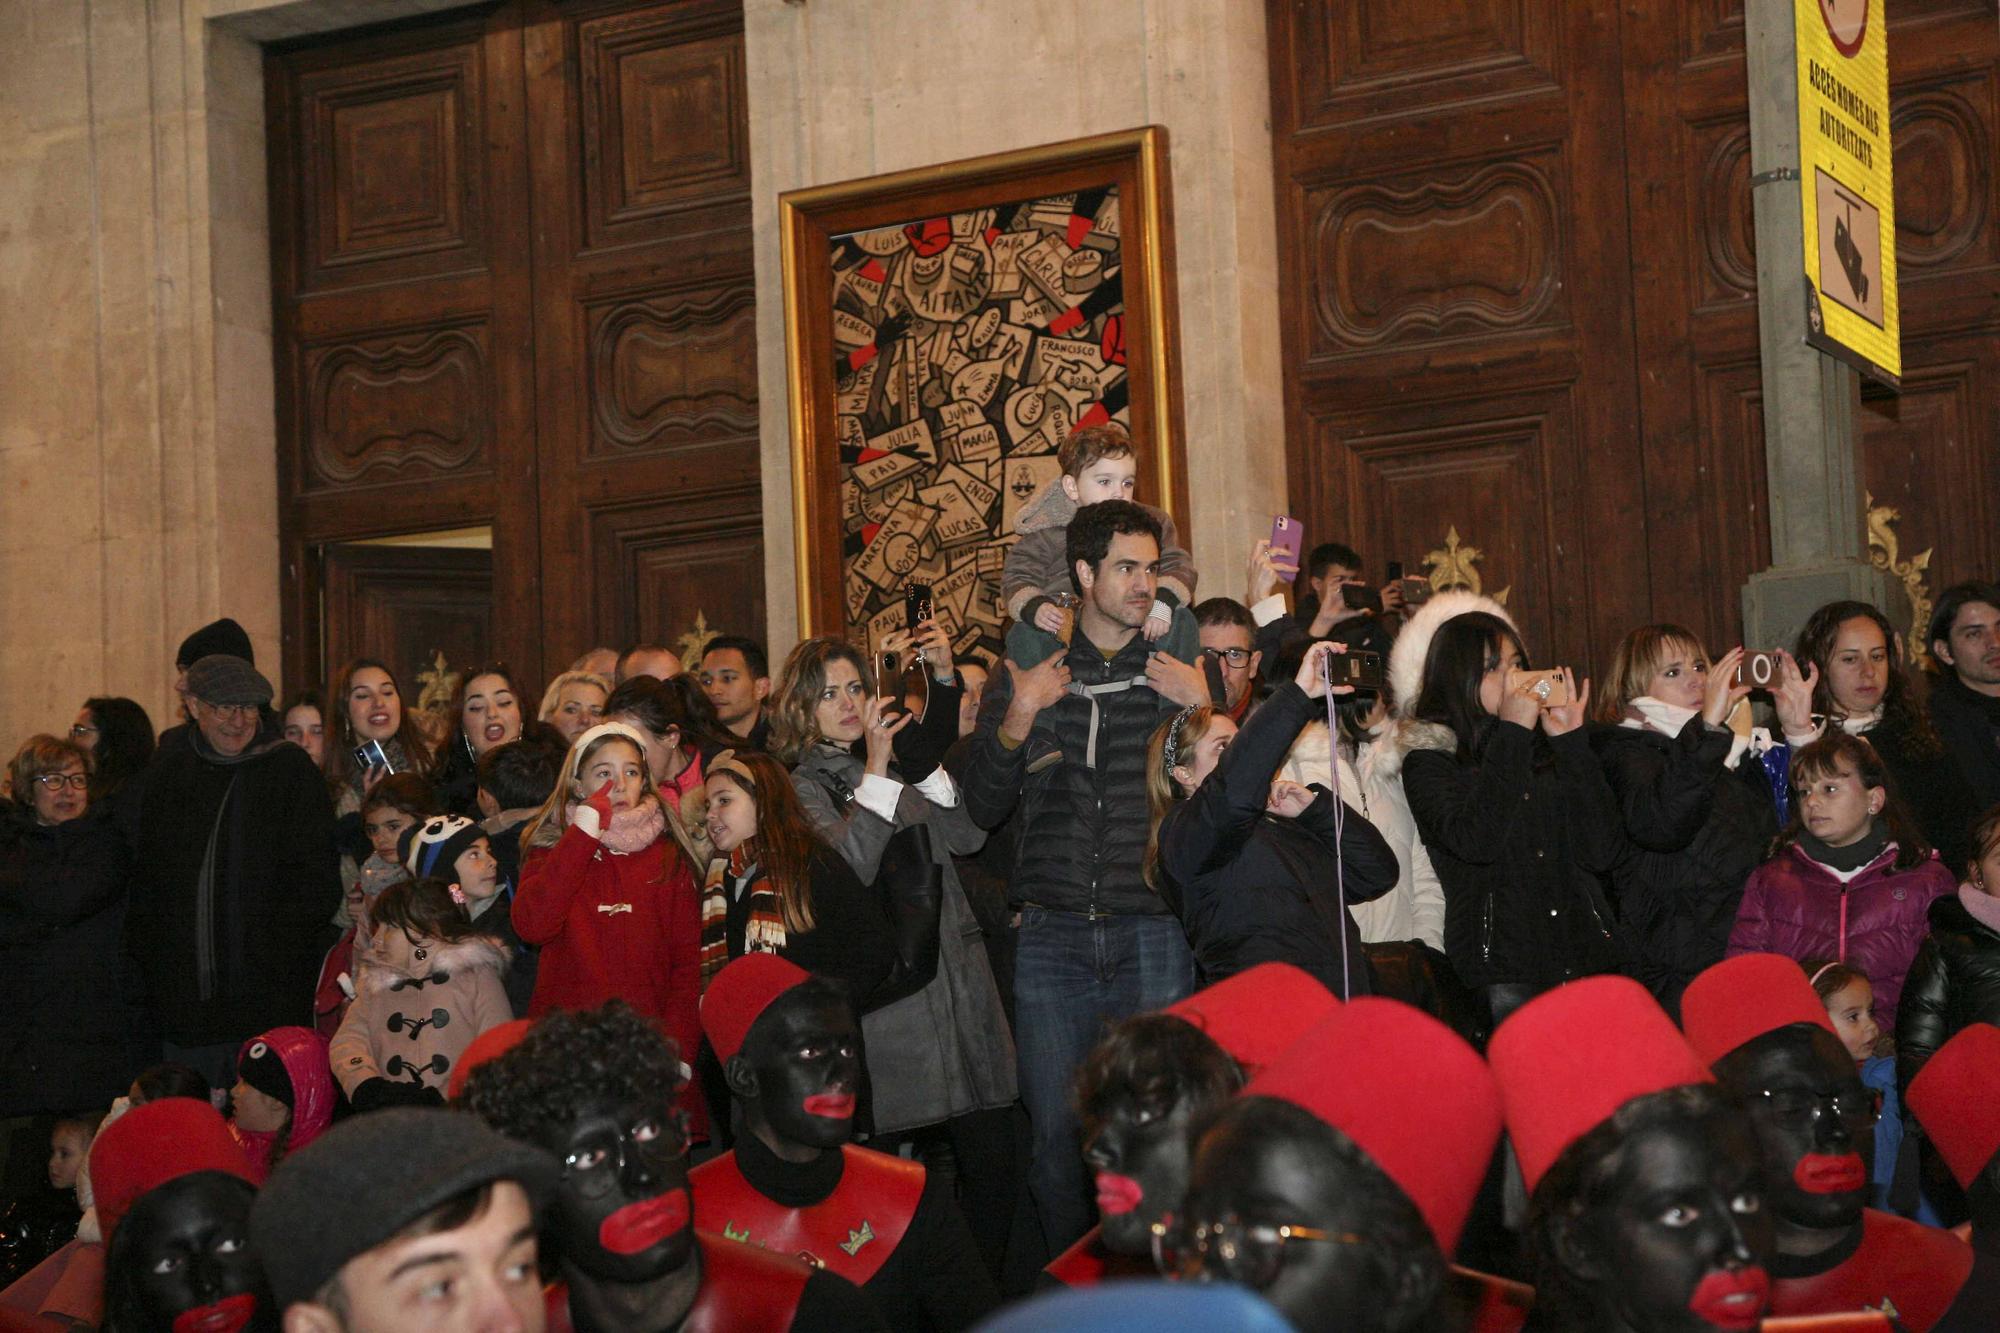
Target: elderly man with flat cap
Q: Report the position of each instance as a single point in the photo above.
(236, 869)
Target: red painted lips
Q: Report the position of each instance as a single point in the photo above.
(1732, 1299)
(227, 1315)
(641, 1226)
(1117, 1195)
(832, 1105)
(1819, 1173)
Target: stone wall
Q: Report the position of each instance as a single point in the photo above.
(842, 89)
(138, 488)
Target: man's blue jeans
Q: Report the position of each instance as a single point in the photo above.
(1073, 978)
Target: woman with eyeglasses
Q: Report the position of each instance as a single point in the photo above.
(64, 1026)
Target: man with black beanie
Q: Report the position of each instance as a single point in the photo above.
(222, 637)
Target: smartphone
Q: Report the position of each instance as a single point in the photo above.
(1546, 685)
(1287, 540)
(370, 754)
(1361, 597)
(889, 683)
(1758, 670)
(1364, 671)
(1218, 689)
(916, 604)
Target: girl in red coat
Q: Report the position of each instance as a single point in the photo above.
(1850, 880)
(608, 893)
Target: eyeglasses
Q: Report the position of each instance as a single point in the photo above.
(1862, 1108)
(1248, 1252)
(594, 1170)
(57, 781)
(1236, 657)
(230, 712)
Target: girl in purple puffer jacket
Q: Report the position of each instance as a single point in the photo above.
(1850, 878)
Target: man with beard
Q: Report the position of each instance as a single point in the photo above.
(791, 1054)
(1154, 1076)
(1756, 1021)
(1337, 1184)
(1956, 1098)
(596, 1090)
(173, 1197)
(1965, 687)
(1645, 1213)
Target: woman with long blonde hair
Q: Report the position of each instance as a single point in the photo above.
(608, 892)
(1260, 869)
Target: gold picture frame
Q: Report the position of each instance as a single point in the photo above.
(950, 264)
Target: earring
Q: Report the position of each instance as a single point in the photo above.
(423, 954)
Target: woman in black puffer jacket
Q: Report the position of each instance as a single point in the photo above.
(66, 1028)
(1955, 980)
(1695, 802)
(1248, 866)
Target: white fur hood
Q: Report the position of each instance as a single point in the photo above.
(474, 951)
(1413, 645)
(1404, 735)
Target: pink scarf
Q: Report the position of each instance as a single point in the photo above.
(1984, 908)
(636, 829)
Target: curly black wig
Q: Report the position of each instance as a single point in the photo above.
(1156, 1059)
(612, 1054)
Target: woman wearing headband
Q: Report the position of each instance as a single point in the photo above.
(1261, 871)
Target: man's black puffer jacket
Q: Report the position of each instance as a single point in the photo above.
(1698, 829)
(1253, 887)
(1954, 982)
(1082, 828)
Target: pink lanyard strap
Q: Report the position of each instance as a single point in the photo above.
(1340, 824)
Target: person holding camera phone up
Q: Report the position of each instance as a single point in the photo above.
(1510, 800)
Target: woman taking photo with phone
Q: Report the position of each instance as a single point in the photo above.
(1259, 869)
(1510, 800)
(485, 713)
(1694, 800)
(370, 736)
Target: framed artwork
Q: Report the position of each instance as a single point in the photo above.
(946, 328)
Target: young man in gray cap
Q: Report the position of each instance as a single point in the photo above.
(235, 872)
(403, 1220)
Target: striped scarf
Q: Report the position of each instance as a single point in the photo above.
(763, 933)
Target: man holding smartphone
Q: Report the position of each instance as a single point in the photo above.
(1340, 607)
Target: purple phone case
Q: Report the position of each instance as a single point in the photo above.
(1287, 540)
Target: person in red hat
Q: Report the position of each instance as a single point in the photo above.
(173, 1196)
(1154, 1076)
(1337, 1184)
(596, 1089)
(1645, 1212)
(1757, 1023)
(1956, 1098)
(790, 1049)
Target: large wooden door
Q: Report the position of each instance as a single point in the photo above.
(512, 288)
(427, 611)
(1519, 298)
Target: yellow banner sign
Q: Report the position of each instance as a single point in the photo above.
(1845, 180)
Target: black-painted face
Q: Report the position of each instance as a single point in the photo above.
(1814, 1123)
(1681, 1244)
(1255, 1174)
(622, 1211)
(1136, 1144)
(803, 1056)
(188, 1244)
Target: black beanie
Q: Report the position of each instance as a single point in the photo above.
(263, 1070)
(224, 636)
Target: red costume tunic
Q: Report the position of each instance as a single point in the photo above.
(742, 1291)
(1087, 1263)
(1911, 1272)
(852, 1231)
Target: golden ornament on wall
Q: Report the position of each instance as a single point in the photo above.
(1913, 574)
(695, 642)
(1455, 566)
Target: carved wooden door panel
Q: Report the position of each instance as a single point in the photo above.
(1931, 451)
(645, 323)
(1457, 318)
(426, 611)
(405, 386)
(512, 288)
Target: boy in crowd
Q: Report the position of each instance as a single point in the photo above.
(736, 676)
(1098, 463)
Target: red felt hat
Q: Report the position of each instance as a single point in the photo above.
(153, 1144)
(740, 992)
(1408, 1091)
(1257, 1014)
(1956, 1097)
(1741, 998)
(488, 1045)
(1567, 1060)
